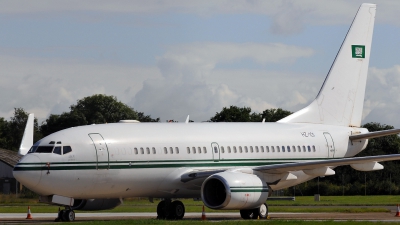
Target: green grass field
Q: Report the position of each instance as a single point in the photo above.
(11, 204)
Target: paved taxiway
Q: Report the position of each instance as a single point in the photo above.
(48, 217)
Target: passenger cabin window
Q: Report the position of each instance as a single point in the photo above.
(199, 149)
(245, 149)
(293, 148)
(240, 149)
(165, 150)
(298, 148)
(194, 150)
(67, 149)
(136, 151)
(278, 149)
(251, 149)
(141, 151)
(309, 148)
(313, 148)
(272, 149)
(171, 150)
(304, 148)
(283, 148)
(229, 149)
(262, 148)
(204, 150)
(148, 150)
(222, 149)
(57, 150)
(176, 150)
(267, 148)
(44, 149)
(288, 148)
(154, 150)
(256, 148)
(188, 150)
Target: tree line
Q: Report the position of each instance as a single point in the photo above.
(98, 109)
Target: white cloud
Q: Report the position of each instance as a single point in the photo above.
(51, 86)
(288, 15)
(189, 86)
(382, 96)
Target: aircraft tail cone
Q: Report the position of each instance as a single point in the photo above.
(203, 214)
(29, 216)
(398, 211)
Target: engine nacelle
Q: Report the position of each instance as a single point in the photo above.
(234, 190)
(95, 204)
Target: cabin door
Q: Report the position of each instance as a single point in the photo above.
(101, 148)
(330, 145)
(215, 151)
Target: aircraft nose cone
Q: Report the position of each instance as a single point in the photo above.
(28, 171)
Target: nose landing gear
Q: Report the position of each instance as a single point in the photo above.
(170, 210)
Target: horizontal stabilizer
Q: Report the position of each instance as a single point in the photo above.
(375, 134)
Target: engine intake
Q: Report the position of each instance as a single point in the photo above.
(234, 190)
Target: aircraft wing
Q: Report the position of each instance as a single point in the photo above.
(354, 162)
(366, 163)
(373, 134)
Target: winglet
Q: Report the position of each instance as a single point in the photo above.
(187, 119)
(27, 139)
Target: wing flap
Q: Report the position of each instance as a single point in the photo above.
(375, 134)
(310, 165)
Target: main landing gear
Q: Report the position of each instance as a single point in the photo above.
(170, 210)
(260, 212)
(67, 215)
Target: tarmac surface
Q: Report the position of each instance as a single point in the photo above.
(19, 218)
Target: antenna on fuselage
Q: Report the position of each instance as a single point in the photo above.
(187, 119)
(27, 139)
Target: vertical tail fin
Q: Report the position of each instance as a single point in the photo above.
(341, 98)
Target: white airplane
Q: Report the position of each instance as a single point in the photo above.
(227, 165)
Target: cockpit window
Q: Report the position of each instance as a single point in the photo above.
(33, 149)
(67, 149)
(44, 149)
(51, 143)
(57, 150)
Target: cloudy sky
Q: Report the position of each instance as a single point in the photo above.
(176, 58)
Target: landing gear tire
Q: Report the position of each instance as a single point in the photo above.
(161, 210)
(170, 211)
(66, 215)
(248, 214)
(177, 210)
(260, 212)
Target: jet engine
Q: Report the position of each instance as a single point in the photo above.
(234, 190)
(95, 204)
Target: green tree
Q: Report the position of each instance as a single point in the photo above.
(95, 109)
(244, 114)
(273, 115)
(233, 114)
(99, 108)
(146, 118)
(13, 130)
